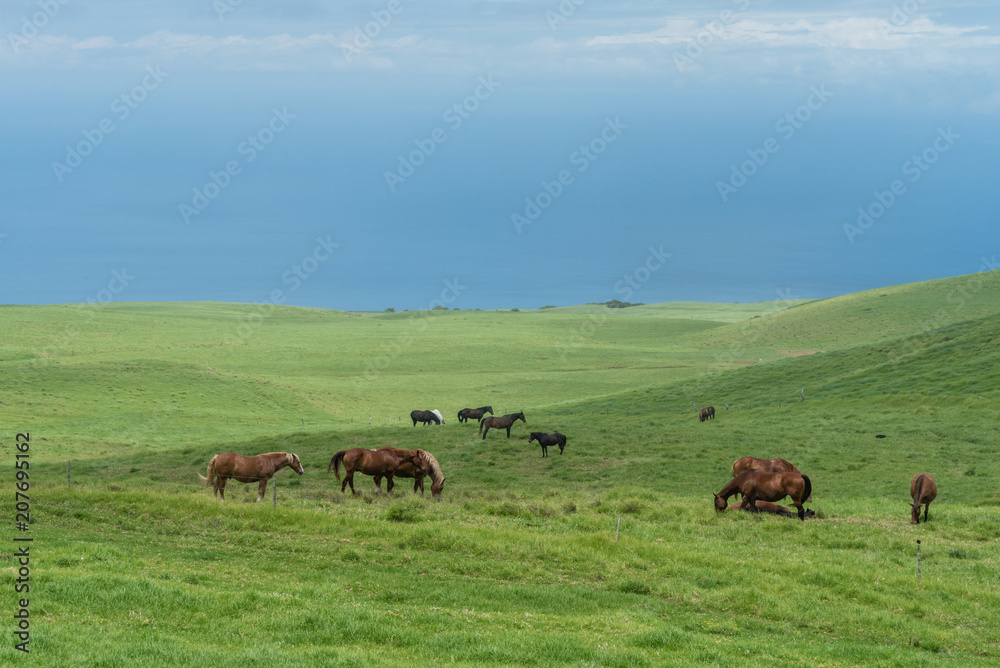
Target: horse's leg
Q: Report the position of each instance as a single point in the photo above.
(378, 482)
(221, 486)
(508, 432)
(927, 509)
(486, 430)
(418, 482)
(261, 490)
(389, 484)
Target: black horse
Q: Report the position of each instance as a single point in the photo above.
(545, 440)
(424, 416)
(504, 422)
(476, 414)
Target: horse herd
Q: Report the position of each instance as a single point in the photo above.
(386, 462)
(759, 482)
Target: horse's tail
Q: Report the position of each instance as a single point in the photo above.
(807, 492)
(919, 492)
(335, 464)
(481, 421)
(211, 471)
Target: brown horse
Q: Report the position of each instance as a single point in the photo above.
(371, 462)
(426, 417)
(706, 413)
(754, 485)
(923, 489)
(248, 469)
(467, 414)
(500, 423)
(777, 465)
(407, 470)
(768, 507)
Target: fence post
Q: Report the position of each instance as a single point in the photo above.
(918, 562)
(620, 528)
(274, 494)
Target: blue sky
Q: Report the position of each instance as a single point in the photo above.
(506, 153)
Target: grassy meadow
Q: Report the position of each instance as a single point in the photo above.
(523, 562)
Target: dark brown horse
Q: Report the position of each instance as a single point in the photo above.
(706, 413)
(504, 422)
(371, 462)
(923, 489)
(476, 414)
(545, 440)
(248, 469)
(407, 470)
(768, 507)
(425, 416)
(754, 485)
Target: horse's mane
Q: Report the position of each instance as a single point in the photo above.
(432, 464)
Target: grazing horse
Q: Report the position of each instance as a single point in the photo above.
(500, 423)
(426, 417)
(777, 465)
(768, 507)
(407, 470)
(754, 485)
(373, 463)
(545, 440)
(247, 469)
(923, 489)
(439, 416)
(467, 414)
(706, 413)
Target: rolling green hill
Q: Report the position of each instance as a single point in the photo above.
(607, 555)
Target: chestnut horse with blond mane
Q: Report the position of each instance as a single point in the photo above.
(407, 470)
(758, 485)
(373, 463)
(248, 469)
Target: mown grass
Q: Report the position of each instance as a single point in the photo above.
(136, 564)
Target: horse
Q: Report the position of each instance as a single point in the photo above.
(247, 469)
(706, 413)
(372, 462)
(439, 416)
(923, 489)
(545, 440)
(466, 414)
(768, 507)
(407, 470)
(426, 417)
(777, 465)
(500, 423)
(754, 484)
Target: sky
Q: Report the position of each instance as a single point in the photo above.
(495, 153)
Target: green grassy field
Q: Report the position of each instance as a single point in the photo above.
(519, 564)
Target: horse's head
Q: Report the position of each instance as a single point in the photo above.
(488, 409)
(535, 436)
(520, 416)
(437, 488)
(293, 461)
(720, 503)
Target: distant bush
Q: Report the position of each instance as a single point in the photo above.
(390, 310)
(439, 307)
(515, 309)
(614, 303)
(547, 306)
